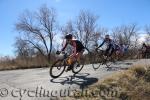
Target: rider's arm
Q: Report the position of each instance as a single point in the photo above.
(101, 44)
(64, 47)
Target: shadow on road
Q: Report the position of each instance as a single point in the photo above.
(124, 63)
(81, 79)
(119, 66)
(113, 68)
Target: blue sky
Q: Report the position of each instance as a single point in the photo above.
(111, 13)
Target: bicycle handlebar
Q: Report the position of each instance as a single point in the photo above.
(59, 52)
(98, 49)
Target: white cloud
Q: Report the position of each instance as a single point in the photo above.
(142, 38)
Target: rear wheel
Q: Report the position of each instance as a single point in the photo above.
(109, 61)
(57, 69)
(77, 66)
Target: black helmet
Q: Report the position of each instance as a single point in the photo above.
(68, 36)
(144, 44)
(107, 36)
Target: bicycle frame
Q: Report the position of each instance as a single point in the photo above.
(99, 59)
(63, 65)
(64, 58)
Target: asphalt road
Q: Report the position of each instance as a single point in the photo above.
(36, 84)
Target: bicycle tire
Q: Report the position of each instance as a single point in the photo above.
(51, 71)
(81, 65)
(96, 61)
(109, 62)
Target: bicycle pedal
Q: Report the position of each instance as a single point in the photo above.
(69, 68)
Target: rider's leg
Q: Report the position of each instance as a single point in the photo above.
(78, 55)
(71, 60)
(111, 52)
(117, 53)
(106, 51)
(106, 54)
(75, 58)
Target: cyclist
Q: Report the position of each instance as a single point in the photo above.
(120, 50)
(144, 49)
(78, 50)
(110, 46)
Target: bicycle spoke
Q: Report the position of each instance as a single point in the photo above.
(78, 66)
(57, 69)
(96, 61)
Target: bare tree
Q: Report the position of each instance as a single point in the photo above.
(125, 34)
(23, 49)
(98, 35)
(38, 29)
(68, 28)
(85, 27)
(102, 31)
(147, 29)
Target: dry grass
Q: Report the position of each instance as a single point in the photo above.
(132, 84)
(6, 63)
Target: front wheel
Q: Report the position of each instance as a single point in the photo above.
(96, 61)
(57, 69)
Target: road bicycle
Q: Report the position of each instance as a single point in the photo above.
(61, 65)
(98, 59)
